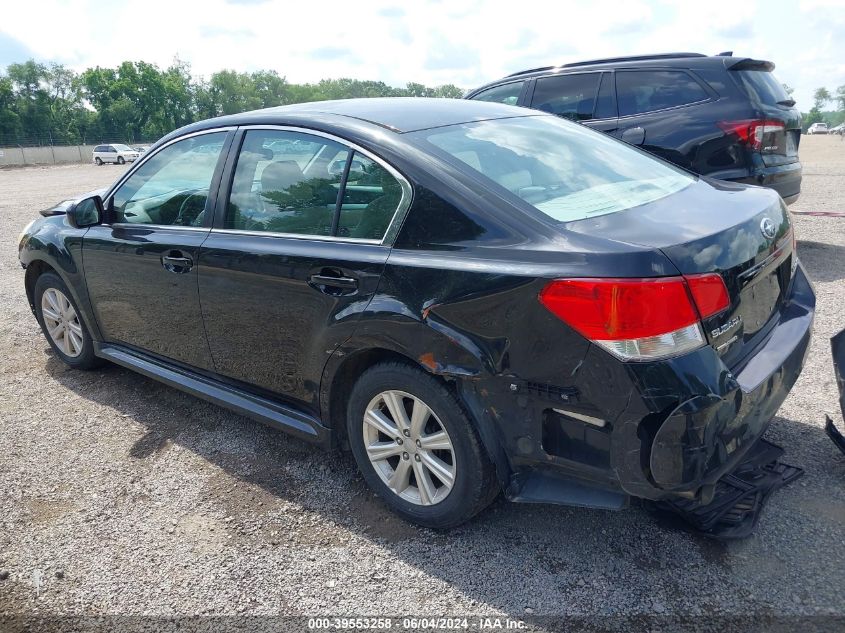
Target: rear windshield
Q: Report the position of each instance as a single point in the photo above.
(762, 86)
(563, 169)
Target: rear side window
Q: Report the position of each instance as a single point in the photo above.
(569, 96)
(605, 103)
(640, 91)
(507, 94)
(283, 191)
(370, 199)
(762, 87)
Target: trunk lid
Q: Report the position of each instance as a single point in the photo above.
(741, 232)
(778, 137)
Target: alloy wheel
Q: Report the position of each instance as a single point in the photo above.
(409, 448)
(62, 322)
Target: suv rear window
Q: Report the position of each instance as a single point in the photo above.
(762, 86)
(639, 91)
(565, 171)
(570, 96)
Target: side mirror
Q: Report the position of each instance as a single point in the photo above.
(86, 212)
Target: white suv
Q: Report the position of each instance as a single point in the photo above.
(818, 128)
(115, 153)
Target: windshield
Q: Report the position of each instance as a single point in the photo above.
(563, 169)
(122, 148)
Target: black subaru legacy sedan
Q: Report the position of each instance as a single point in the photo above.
(473, 297)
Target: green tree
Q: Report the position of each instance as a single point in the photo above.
(31, 103)
(10, 122)
(840, 97)
(820, 97)
(449, 91)
(413, 89)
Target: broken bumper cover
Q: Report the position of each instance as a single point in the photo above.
(668, 429)
(707, 435)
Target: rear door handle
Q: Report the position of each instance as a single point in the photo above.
(176, 262)
(346, 283)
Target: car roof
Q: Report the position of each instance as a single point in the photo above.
(399, 114)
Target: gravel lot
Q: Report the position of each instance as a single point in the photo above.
(122, 496)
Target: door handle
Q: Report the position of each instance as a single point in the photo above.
(333, 282)
(176, 262)
(337, 282)
(634, 135)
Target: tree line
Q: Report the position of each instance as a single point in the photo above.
(138, 101)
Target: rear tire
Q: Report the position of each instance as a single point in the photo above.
(60, 320)
(99, 161)
(430, 467)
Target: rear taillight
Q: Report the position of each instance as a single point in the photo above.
(762, 135)
(709, 293)
(638, 319)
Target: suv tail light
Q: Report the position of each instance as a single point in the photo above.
(753, 132)
(638, 319)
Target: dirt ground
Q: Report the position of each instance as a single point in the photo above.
(120, 495)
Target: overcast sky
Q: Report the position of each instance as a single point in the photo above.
(464, 42)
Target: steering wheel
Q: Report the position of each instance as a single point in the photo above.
(180, 216)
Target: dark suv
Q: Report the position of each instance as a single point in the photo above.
(720, 116)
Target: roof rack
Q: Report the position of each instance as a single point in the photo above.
(608, 60)
(531, 70)
(633, 58)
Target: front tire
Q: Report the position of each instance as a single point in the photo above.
(417, 448)
(60, 320)
(120, 160)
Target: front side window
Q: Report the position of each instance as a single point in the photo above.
(569, 96)
(292, 182)
(171, 187)
(507, 94)
(566, 171)
(640, 91)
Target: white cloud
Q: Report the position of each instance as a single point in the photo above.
(466, 42)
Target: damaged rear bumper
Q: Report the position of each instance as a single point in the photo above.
(657, 430)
